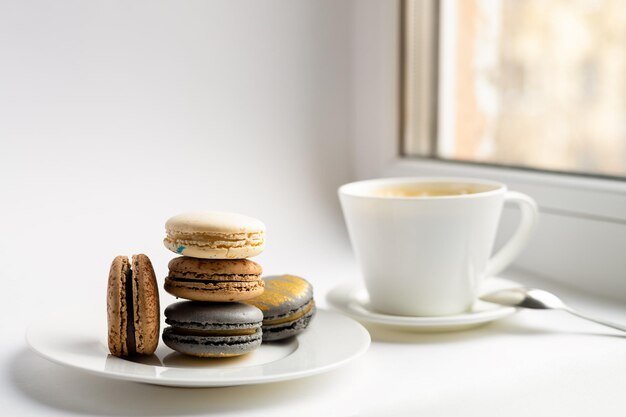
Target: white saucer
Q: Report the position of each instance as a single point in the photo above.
(351, 299)
(80, 343)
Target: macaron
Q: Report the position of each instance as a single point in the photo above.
(212, 329)
(132, 307)
(287, 305)
(215, 235)
(214, 279)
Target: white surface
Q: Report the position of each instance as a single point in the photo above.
(351, 298)
(577, 213)
(428, 255)
(78, 342)
(115, 115)
(541, 363)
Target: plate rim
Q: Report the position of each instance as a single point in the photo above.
(224, 381)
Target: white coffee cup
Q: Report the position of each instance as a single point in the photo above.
(424, 244)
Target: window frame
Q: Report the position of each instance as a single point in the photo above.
(594, 207)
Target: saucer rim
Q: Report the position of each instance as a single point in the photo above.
(345, 296)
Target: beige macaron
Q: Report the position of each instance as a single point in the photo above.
(215, 235)
(214, 279)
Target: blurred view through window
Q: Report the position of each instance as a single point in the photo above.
(538, 84)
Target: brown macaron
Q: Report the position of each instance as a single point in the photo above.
(221, 280)
(132, 307)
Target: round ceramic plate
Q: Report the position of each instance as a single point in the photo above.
(351, 298)
(81, 344)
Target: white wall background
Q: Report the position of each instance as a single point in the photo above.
(115, 115)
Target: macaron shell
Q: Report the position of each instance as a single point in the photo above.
(195, 268)
(211, 346)
(214, 222)
(146, 305)
(116, 306)
(214, 291)
(195, 315)
(283, 294)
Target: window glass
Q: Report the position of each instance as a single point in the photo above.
(538, 84)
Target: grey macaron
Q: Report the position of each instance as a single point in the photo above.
(287, 305)
(212, 329)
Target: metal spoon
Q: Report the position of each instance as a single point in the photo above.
(540, 300)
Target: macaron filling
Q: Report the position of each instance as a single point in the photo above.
(243, 331)
(216, 240)
(216, 278)
(301, 312)
(213, 285)
(212, 332)
(211, 327)
(130, 312)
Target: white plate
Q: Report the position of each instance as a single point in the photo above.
(351, 298)
(330, 341)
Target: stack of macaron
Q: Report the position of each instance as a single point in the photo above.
(215, 275)
(229, 310)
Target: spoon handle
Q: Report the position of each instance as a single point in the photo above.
(596, 320)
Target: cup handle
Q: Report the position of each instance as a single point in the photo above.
(518, 241)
